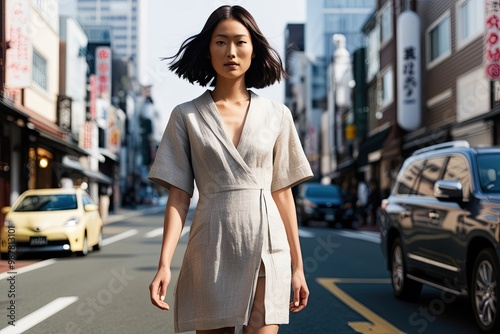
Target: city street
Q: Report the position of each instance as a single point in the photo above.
(107, 291)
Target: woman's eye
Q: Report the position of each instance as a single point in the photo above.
(219, 43)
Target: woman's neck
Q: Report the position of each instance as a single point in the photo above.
(230, 91)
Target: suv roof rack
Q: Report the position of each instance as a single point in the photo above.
(450, 144)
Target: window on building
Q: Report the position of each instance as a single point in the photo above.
(438, 40)
(386, 23)
(386, 85)
(470, 20)
(39, 70)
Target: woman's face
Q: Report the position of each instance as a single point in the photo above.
(231, 49)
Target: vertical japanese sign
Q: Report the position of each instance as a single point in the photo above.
(408, 65)
(91, 113)
(103, 71)
(20, 53)
(492, 40)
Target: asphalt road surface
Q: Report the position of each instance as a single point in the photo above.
(107, 291)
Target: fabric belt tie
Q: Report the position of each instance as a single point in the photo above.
(265, 219)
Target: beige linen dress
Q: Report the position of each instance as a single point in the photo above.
(236, 225)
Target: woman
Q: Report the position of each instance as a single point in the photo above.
(244, 153)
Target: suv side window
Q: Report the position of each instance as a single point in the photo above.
(407, 181)
(430, 174)
(458, 169)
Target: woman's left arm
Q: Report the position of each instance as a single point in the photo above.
(286, 207)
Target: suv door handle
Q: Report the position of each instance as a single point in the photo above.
(433, 215)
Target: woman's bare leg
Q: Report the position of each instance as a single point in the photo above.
(256, 324)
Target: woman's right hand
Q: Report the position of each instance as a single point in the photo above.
(158, 288)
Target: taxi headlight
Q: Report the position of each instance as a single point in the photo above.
(72, 222)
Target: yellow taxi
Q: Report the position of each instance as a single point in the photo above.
(51, 220)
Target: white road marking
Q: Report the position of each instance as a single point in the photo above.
(39, 315)
(154, 233)
(27, 268)
(159, 231)
(306, 234)
(364, 235)
(119, 237)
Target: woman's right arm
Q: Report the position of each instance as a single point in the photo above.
(175, 216)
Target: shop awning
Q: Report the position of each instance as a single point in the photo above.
(8, 109)
(436, 137)
(371, 144)
(108, 154)
(98, 177)
(94, 176)
(50, 140)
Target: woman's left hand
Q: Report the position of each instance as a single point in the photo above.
(300, 291)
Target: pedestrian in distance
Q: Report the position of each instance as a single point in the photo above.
(242, 270)
(374, 201)
(362, 199)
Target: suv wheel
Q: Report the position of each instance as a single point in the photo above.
(485, 291)
(403, 287)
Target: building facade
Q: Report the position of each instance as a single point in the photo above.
(35, 132)
(320, 117)
(122, 18)
(420, 80)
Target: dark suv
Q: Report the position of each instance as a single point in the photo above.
(441, 227)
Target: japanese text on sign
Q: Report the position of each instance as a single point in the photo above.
(492, 40)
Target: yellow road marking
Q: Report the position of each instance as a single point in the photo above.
(377, 325)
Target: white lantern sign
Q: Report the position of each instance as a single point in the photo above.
(408, 66)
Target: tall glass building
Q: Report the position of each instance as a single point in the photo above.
(328, 17)
(122, 18)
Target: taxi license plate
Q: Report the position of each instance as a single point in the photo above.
(330, 217)
(38, 241)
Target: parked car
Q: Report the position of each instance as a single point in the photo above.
(316, 201)
(441, 227)
(49, 220)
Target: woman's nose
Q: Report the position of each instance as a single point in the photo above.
(231, 52)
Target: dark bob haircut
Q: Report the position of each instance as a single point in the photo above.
(191, 62)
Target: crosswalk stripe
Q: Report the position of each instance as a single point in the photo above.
(306, 234)
(159, 231)
(118, 237)
(39, 315)
(154, 233)
(367, 236)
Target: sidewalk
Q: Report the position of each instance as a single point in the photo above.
(118, 215)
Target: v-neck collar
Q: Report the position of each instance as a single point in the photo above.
(220, 123)
(210, 114)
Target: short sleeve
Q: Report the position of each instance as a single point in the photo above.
(290, 165)
(172, 164)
